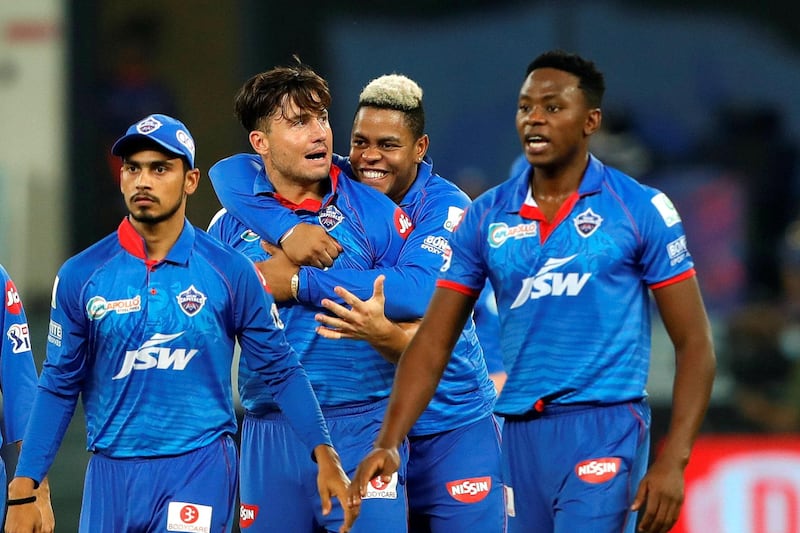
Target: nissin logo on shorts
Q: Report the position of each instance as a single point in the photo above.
(470, 490)
(548, 283)
(152, 355)
(247, 515)
(598, 470)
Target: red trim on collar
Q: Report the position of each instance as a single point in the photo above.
(132, 242)
(310, 204)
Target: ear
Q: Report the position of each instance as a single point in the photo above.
(259, 141)
(421, 147)
(593, 120)
(191, 181)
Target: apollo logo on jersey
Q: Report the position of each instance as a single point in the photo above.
(548, 283)
(500, 232)
(152, 354)
(13, 301)
(247, 515)
(598, 470)
(403, 223)
(471, 490)
(184, 516)
(97, 307)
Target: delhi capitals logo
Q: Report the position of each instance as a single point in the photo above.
(191, 301)
(330, 217)
(148, 125)
(587, 222)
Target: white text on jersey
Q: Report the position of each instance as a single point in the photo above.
(152, 355)
(548, 283)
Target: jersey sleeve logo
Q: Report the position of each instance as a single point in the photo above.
(666, 209)
(191, 301)
(19, 337)
(454, 215)
(402, 222)
(13, 301)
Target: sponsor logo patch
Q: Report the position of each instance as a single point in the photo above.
(435, 244)
(330, 217)
(377, 489)
(19, 337)
(193, 517)
(454, 215)
(247, 515)
(500, 232)
(587, 222)
(97, 307)
(54, 333)
(403, 223)
(191, 301)
(548, 283)
(153, 355)
(666, 209)
(13, 302)
(598, 470)
(677, 250)
(470, 490)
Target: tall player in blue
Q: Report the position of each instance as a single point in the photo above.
(454, 464)
(18, 383)
(285, 112)
(142, 327)
(572, 249)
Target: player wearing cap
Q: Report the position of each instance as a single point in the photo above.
(142, 327)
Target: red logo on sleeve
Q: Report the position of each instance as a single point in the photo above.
(402, 222)
(13, 302)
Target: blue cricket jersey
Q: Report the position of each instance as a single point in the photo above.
(17, 369)
(149, 347)
(435, 205)
(573, 295)
(372, 230)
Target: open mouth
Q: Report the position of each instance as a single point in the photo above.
(372, 174)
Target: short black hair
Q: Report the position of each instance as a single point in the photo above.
(140, 144)
(590, 79)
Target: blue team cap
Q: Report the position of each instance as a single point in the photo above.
(167, 132)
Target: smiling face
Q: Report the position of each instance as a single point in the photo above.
(383, 151)
(295, 145)
(155, 185)
(554, 120)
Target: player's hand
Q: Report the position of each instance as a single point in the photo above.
(381, 462)
(333, 482)
(278, 271)
(310, 245)
(660, 496)
(45, 507)
(362, 320)
(24, 518)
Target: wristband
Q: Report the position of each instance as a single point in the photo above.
(21, 501)
(295, 285)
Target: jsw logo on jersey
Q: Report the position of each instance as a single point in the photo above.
(470, 490)
(549, 283)
(153, 355)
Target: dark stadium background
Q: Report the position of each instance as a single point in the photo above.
(683, 95)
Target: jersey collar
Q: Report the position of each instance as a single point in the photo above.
(133, 243)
